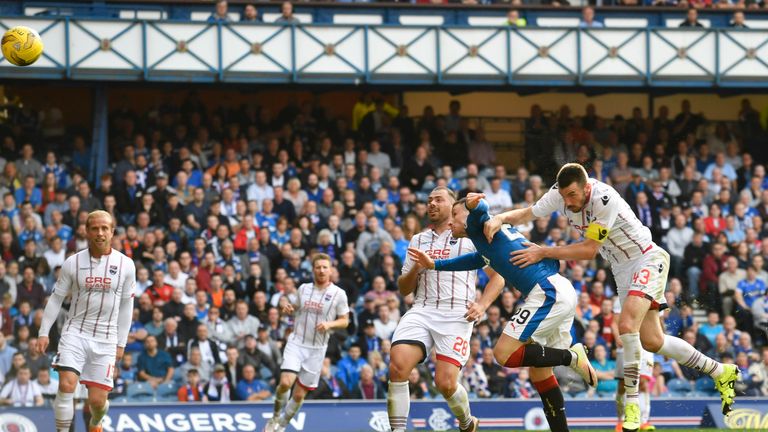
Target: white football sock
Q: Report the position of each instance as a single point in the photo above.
(459, 404)
(290, 410)
(64, 410)
(620, 405)
(687, 355)
(280, 400)
(97, 415)
(632, 350)
(398, 405)
(645, 407)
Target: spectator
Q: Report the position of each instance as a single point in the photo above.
(588, 18)
(251, 14)
(286, 15)
(195, 362)
(514, 20)
(242, 324)
(691, 19)
(251, 389)
(367, 388)
(738, 20)
(728, 282)
(521, 387)
(192, 390)
(350, 366)
(218, 389)
(606, 385)
(221, 12)
(154, 365)
(21, 391)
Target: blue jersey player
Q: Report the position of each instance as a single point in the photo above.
(538, 333)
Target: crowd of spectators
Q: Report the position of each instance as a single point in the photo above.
(223, 13)
(222, 208)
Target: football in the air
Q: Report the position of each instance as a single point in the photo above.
(22, 46)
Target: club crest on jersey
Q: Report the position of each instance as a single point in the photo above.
(452, 241)
(98, 283)
(113, 269)
(327, 297)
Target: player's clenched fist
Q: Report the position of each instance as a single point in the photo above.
(473, 199)
(323, 327)
(42, 344)
(421, 259)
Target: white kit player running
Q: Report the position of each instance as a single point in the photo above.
(322, 306)
(101, 283)
(639, 267)
(646, 376)
(444, 306)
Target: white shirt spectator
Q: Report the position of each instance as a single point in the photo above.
(55, 259)
(499, 201)
(27, 394)
(178, 282)
(259, 193)
(678, 239)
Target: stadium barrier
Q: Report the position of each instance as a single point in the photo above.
(750, 413)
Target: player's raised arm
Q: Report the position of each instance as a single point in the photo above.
(60, 292)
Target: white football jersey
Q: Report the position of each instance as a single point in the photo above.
(605, 218)
(316, 306)
(444, 290)
(96, 286)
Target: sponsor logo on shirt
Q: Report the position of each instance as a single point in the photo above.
(98, 283)
(438, 253)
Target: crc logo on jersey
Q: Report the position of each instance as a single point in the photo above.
(313, 306)
(438, 253)
(98, 283)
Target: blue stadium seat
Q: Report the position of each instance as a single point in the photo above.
(140, 392)
(706, 385)
(167, 392)
(679, 388)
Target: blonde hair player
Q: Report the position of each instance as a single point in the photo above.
(639, 266)
(101, 283)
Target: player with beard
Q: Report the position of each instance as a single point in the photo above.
(441, 317)
(639, 267)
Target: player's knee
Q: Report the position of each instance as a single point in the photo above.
(286, 381)
(652, 343)
(445, 386)
(67, 386)
(397, 371)
(97, 403)
(627, 325)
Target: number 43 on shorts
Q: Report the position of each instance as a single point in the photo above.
(641, 277)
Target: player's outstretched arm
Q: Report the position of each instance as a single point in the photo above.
(512, 217)
(584, 250)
